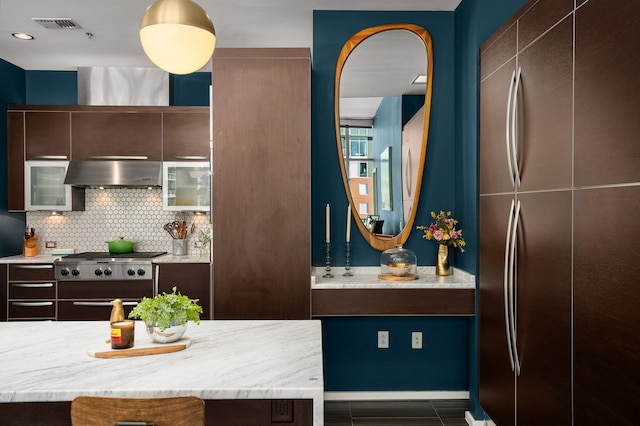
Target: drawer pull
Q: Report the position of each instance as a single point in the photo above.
(192, 157)
(119, 157)
(32, 304)
(102, 304)
(32, 285)
(33, 266)
(50, 157)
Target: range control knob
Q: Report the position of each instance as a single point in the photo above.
(141, 271)
(98, 272)
(107, 272)
(64, 272)
(131, 272)
(75, 272)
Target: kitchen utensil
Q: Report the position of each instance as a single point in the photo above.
(121, 246)
(170, 229)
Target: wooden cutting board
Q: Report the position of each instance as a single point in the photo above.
(103, 350)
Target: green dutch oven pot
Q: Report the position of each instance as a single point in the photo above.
(121, 246)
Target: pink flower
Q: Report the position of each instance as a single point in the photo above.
(438, 235)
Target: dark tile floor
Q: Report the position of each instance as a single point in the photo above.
(448, 412)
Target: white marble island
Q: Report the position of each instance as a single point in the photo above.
(227, 360)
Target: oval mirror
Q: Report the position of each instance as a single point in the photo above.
(383, 88)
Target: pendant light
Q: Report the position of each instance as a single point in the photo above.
(177, 35)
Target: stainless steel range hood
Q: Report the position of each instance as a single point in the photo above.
(124, 173)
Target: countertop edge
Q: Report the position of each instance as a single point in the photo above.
(166, 258)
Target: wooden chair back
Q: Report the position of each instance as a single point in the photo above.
(108, 411)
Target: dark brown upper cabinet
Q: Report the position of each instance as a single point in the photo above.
(47, 135)
(103, 134)
(185, 135)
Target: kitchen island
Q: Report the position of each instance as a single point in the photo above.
(242, 369)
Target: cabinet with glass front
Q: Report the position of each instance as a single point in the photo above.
(186, 186)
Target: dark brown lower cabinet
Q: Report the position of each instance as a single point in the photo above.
(237, 412)
(539, 380)
(191, 279)
(606, 300)
(3, 292)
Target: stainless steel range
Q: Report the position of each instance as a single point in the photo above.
(101, 266)
(88, 282)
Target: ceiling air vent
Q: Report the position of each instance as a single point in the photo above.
(58, 23)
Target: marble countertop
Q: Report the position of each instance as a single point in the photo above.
(252, 359)
(189, 258)
(366, 277)
(34, 259)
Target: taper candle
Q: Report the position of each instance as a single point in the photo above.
(328, 224)
(349, 223)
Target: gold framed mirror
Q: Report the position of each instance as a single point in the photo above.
(382, 164)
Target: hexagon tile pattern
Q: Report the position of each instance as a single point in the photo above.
(111, 213)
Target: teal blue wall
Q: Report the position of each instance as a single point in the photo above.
(352, 360)
(61, 88)
(330, 31)
(52, 87)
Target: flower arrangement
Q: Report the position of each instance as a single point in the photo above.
(444, 231)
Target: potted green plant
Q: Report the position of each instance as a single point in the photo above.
(166, 315)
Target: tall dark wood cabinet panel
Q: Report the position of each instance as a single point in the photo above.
(261, 183)
(545, 110)
(607, 93)
(607, 199)
(494, 91)
(15, 160)
(577, 324)
(606, 300)
(496, 376)
(543, 308)
(525, 220)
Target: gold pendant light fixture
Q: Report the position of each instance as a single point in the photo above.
(177, 35)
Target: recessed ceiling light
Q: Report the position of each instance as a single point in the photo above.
(22, 36)
(420, 79)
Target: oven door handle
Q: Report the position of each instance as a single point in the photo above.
(101, 304)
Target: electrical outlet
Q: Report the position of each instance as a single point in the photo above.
(383, 339)
(282, 411)
(416, 340)
(51, 244)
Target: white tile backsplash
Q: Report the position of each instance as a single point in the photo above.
(135, 214)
